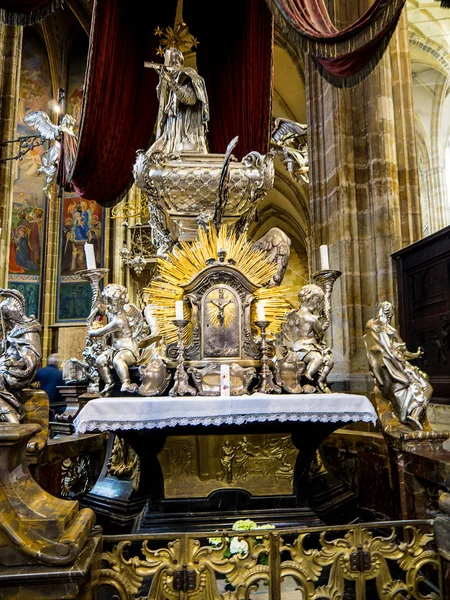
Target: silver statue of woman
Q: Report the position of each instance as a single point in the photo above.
(184, 110)
(20, 353)
(405, 385)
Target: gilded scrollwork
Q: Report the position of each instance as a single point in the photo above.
(124, 462)
(319, 562)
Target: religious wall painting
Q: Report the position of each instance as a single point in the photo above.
(29, 288)
(75, 79)
(82, 221)
(26, 259)
(74, 301)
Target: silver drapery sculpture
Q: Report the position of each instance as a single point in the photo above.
(404, 385)
(20, 353)
(289, 141)
(49, 131)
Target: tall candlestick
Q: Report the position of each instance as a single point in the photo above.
(324, 261)
(260, 312)
(179, 310)
(90, 256)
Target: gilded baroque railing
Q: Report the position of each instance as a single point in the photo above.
(386, 560)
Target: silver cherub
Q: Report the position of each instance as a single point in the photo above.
(124, 328)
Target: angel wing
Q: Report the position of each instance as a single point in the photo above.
(135, 319)
(40, 121)
(277, 247)
(286, 131)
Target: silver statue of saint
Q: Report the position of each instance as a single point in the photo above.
(20, 353)
(405, 385)
(183, 107)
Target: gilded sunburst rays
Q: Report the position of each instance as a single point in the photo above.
(187, 259)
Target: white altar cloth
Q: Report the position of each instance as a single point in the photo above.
(111, 414)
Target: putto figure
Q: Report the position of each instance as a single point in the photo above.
(405, 385)
(20, 353)
(304, 329)
(123, 329)
(183, 107)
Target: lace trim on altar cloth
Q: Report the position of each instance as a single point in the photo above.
(322, 417)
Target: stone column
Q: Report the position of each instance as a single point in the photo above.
(364, 192)
(10, 59)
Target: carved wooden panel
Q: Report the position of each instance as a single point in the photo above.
(423, 277)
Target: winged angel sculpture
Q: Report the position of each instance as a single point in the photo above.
(65, 143)
(289, 140)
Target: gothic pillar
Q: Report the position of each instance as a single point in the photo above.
(10, 59)
(364, 192)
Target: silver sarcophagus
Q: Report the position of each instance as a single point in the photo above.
(186, 186)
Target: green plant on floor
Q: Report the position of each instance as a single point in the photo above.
(237, 545)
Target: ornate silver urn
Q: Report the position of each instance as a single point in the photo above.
(185, 186)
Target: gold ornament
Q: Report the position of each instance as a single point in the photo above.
(187, 259)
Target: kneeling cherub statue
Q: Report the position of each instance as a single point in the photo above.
(124, 327)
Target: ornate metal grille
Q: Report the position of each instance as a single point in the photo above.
(387, 560)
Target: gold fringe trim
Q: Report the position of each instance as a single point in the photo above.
(341, 44)
(32, 17)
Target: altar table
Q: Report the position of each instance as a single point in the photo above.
(160, 412)
(146, 422)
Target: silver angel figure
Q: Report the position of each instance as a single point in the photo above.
(124, 328)
(60, 134)
(277, 245)
(288, 139)
(184, 109)
(20, 353)
(304, 329)
(405, 385)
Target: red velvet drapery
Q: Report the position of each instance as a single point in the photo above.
(119, 104)
(344, 57)
(235, 58)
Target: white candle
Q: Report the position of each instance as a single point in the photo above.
(260, 313)
(90, 256)
(224, 380)
(324, 262)
(179, 310)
